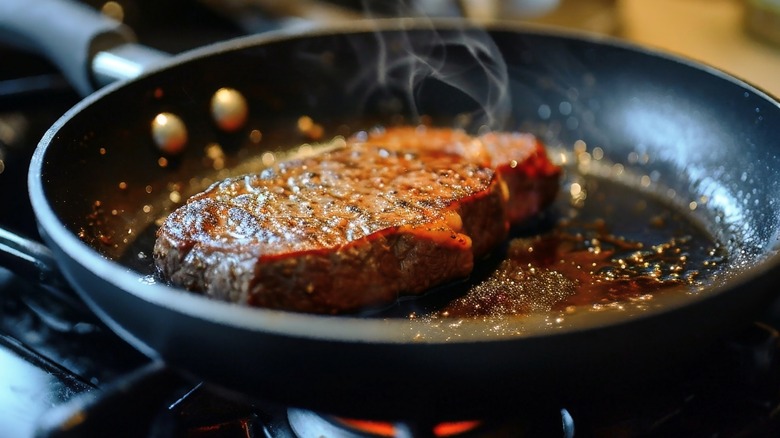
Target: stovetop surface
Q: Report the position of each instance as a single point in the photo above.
(54, 351)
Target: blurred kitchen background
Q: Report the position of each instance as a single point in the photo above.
(741, 37)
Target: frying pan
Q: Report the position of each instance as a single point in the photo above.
(97, 187)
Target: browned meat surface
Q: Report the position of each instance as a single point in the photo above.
(347, 229)
(519, 158)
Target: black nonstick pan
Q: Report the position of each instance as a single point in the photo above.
(644, 133)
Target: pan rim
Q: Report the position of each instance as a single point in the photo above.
(337, 328)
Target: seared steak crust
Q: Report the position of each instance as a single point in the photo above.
(336, 232)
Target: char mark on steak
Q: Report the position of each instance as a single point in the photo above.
(346, 229)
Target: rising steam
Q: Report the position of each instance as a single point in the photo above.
(427, 64)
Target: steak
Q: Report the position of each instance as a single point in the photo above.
(344, 230)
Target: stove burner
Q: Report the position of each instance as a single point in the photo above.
(308, 424)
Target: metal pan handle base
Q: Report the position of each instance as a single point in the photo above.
(89, 48)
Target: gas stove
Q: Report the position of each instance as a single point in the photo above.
(57, 357)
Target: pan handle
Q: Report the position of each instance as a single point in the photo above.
(30, 260)
(89, 48)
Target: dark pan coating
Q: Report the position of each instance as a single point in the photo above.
(336, 232)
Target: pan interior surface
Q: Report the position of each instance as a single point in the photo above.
(684, 141)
